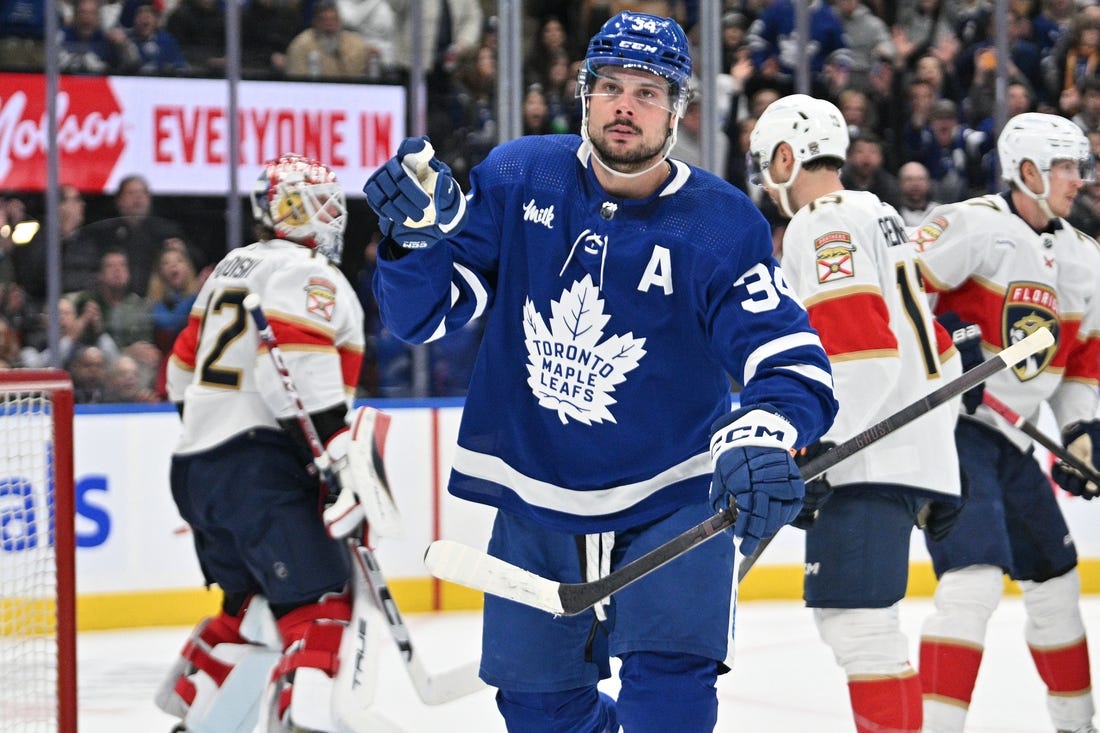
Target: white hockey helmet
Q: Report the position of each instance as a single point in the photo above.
(814, 128)
(299, 199)
(1042, 139)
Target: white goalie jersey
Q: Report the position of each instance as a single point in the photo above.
(217, 370)
(845, 255)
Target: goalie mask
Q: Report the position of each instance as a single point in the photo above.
(646, 43)
(299, 200)
(813, 128)
(1042, 139)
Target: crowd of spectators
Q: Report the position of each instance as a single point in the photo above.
(915, 80)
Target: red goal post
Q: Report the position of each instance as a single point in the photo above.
(37, 553)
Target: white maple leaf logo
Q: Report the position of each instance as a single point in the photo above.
(569, 369)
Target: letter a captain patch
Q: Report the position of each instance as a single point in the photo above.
(834, 256)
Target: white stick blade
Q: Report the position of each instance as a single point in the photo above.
(457, 563)
(1024, 348)
(444, 687)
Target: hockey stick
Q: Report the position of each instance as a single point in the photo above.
(464, 565)
(432, 690)
(1017, 421)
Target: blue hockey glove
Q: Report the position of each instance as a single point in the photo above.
(938, 518)
(1082, 440)
(417, 200)
(967, 337)
(754, 471)
(818, 490)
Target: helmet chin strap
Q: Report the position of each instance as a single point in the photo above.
(1040, 199)
(785, 207)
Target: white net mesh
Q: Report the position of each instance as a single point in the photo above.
(28, 577)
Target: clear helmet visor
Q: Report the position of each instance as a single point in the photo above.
(608, 80)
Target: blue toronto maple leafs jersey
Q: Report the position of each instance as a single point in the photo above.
(611, 327)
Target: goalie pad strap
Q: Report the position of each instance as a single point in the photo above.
(202, 659)
(327, 662)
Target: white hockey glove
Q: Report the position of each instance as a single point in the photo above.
(357, 459)
(417, 200)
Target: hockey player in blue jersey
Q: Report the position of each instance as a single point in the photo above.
(621, 289)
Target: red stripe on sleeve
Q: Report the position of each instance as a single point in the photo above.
(834, 319)
(291, 333)
(187, 342)
(1082, 356)
(351, 364)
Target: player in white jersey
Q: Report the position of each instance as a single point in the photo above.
(1010, 263)
(845, 255)
(621, 288)
(239, 474)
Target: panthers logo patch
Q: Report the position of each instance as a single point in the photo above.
(1029, 307)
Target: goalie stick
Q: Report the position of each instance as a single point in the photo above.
(432, 689)
(466, 566)
(1017, 421)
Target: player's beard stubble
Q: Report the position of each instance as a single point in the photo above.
(630, 161)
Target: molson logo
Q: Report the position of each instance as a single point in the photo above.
(90, 131)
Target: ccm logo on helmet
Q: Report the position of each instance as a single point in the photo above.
(635, 46)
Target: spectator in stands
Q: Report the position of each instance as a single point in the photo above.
(87, 48)
(867, 39)
(22, 34)
(1077, 57)
(915, 187)
(127, 382)
(689, 142)
(855, 106)
(1052, 23)
(199, 28)
(977, 63)
(81, 324)
(469, 129)
(447, 29)
(562, 106)
(14, 228)
(923, 27)
(863, 169)
(26, 316)
(127, 316)
(375, 22)
(775, 46)
(953, 154)
(931, 68)
(536, 112)
(136, 230)
(79, 251)
(157, 50)
(172, 292)
(88, 365)
(267, 28)
(551, 39)
(11, 350)
(327, 50)
(1088, 116)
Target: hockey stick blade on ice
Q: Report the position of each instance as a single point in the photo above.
(432, 689)
(472, 568)
(1017, 421)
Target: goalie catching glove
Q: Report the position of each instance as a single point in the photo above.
(754, 472)
(417, 200)
(356, 456)
(1082, 440)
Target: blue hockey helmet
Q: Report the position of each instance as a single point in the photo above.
(647, 42)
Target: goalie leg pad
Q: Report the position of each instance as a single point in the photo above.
(178, 690)
(300, 691)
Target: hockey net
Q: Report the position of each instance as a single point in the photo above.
(37, 543)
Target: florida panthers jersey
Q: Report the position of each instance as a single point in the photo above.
(227, 384)
(993, 269)
(846, 255)
(612, 325)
